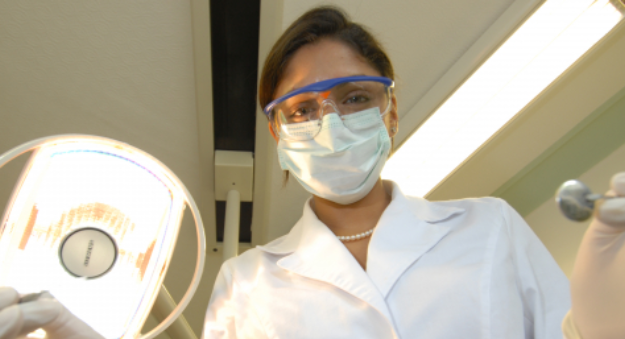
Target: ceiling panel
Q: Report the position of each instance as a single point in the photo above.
(118, 69)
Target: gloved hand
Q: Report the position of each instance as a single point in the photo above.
(46, 312)
(598, 280)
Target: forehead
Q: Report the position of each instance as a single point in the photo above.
(322, 60)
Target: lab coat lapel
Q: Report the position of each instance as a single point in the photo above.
(321, 256)
(407, 229)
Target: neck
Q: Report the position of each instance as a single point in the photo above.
(354, 218)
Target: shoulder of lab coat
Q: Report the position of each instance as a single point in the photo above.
(231, 315)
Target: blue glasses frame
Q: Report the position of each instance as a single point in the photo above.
(324, 86)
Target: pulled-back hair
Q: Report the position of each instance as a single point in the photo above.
(318, 23)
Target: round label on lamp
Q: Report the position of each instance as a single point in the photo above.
(88, 252)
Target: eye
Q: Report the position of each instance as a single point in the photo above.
(357, 99)
(300, 113)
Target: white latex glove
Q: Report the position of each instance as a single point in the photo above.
(598, 280)
(45, 312)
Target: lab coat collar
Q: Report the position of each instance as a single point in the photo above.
(407, 229)
(313, 251)
(407, 208)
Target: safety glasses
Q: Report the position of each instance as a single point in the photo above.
(343, 96)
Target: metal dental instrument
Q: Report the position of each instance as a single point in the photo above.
(31, 297)
(576, 200)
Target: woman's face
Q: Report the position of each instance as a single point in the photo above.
(328, 59)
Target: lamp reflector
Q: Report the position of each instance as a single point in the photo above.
(94, 222)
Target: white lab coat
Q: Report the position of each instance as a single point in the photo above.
(456, 269)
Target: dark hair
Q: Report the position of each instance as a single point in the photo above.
(318, 23)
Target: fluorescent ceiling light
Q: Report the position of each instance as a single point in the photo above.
(548, 43)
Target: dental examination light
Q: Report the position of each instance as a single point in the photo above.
(95, 221)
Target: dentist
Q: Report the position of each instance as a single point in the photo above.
(365, 260)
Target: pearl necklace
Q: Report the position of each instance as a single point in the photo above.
(358, 236)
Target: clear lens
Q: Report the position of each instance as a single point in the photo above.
(308, 108)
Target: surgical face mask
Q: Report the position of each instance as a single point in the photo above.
(344, 160)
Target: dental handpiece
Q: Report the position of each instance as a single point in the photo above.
(576, 200)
